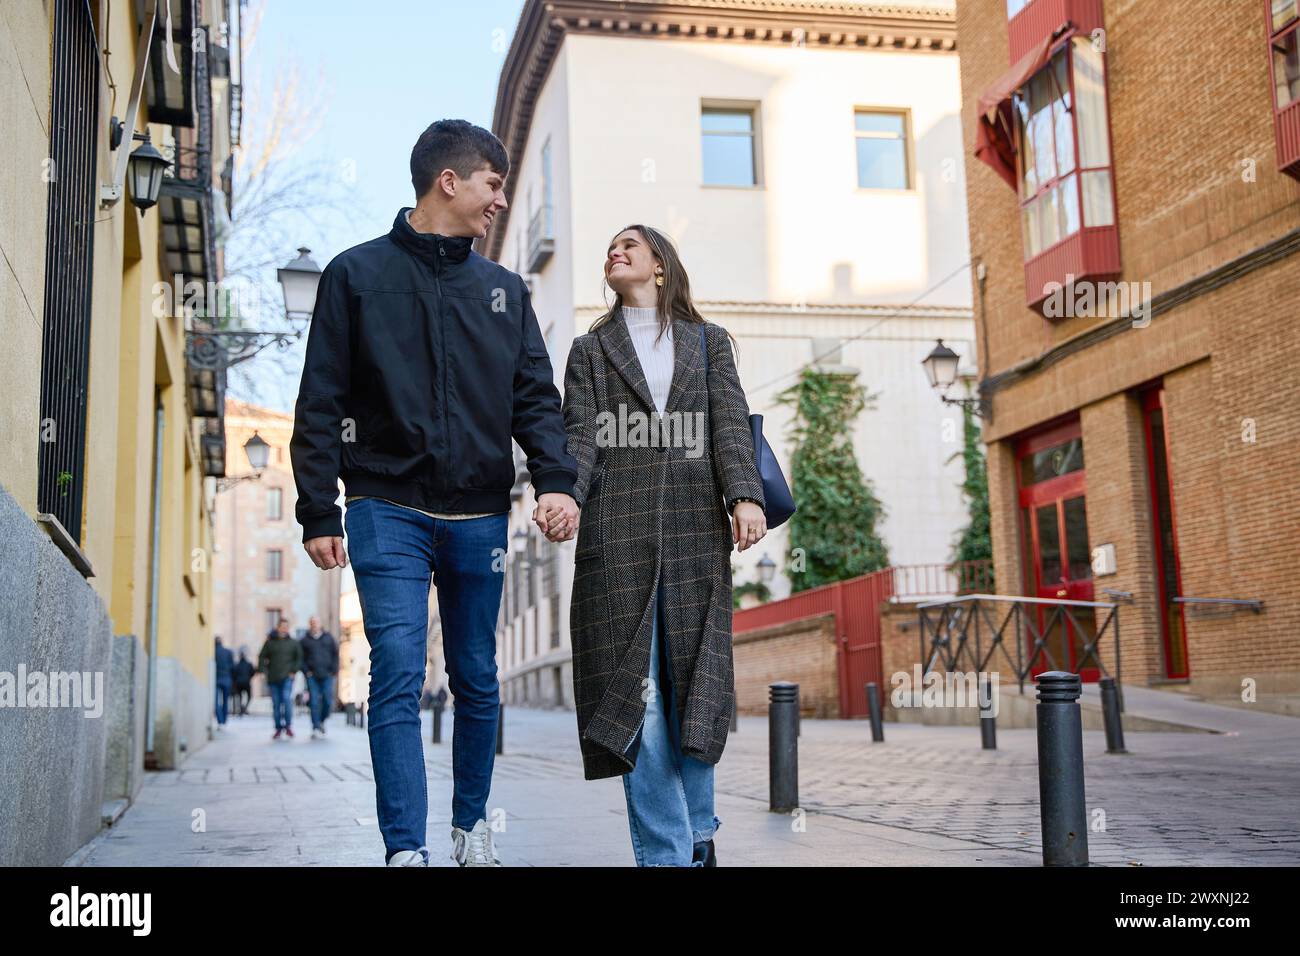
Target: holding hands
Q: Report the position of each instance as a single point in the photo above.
(556, 515)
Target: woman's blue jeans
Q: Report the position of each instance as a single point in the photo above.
(669, 796)
(394, 552)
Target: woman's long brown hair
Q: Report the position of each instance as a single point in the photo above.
(674, 301)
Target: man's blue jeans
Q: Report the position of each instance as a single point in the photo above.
(394, 551)
(322, 698)
(282, 702)
(669, 795)
(223, 700)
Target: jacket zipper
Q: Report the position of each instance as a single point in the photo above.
(442, 342)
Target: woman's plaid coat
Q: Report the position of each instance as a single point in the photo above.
(654, 518)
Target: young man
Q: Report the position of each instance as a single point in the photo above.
(424, 360)
(280, 659)
(320, 658)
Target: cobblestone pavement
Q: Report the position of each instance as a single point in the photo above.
(928, 796)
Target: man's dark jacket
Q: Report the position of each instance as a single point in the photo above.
(225, 663)
(423, 361)
(243, 672)
(320, 655)
(280, 658)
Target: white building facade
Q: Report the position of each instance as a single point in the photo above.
(806, 159)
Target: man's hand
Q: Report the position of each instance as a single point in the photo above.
(748, 524)
(556, 515)
(326, 552)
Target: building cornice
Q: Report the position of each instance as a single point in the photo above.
(543, 25)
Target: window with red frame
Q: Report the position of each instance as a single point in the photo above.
(1063, 148)
(1285, 45)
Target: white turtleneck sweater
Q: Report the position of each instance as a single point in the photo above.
(656, 357)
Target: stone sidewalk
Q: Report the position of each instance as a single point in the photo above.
(929, 796)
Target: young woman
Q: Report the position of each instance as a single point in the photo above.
(651, 613)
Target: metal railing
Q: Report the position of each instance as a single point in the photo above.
(973, 631)
(69, 265)
(933, 580)
(541, 238)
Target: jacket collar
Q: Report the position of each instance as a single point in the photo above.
(435, 250)
(687, 357)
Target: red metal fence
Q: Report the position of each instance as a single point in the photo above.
(856, 604)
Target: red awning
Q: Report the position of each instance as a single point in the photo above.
(994, 144)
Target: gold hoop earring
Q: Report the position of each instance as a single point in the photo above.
(659, 279)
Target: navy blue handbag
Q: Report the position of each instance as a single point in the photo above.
(778, 502)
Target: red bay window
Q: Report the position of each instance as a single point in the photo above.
(1284, 61)
(1045, 127)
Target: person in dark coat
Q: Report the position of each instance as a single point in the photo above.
(242, 682)
(279, 659)
(320, 658)
(651, 609)
(225, 664)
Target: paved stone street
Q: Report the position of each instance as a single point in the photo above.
(928, 796)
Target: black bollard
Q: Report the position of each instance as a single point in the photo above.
(735, 715)
(1060, 770)
(501, 728)
(988, 722)
(798, 712)
(783, 746)
(1111, 716)
(437, 725)
(361, 715)
(351, 711)
(873, 709)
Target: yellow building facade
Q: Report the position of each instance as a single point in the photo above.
(110, 439)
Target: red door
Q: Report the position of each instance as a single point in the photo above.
(1054, 524)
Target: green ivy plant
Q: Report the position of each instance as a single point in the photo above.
(975, 541)
(833, 533)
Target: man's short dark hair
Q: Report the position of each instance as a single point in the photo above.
(457, 145)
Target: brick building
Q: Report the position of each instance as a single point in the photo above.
(261, 572)
(1135, 226)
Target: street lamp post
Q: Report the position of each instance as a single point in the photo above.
(941, 369)
(220, 349)
(259, 454)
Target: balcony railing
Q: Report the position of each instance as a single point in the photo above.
(541, 239)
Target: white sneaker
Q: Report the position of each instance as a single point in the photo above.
(474, 848)
(409, 858)
(317, 735)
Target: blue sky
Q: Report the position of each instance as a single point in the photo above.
(391, 67)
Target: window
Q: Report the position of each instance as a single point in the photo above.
(1286, 51)
(274, 565)
(1064, 149)
(882, 147)
(71, 210)
(273, 615)
(728, 138)
(274, 504)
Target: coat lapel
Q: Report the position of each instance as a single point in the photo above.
(688, 359)
(618, 346)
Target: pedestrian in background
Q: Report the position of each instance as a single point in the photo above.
(280, 659)
(225, 662)
(242, 681)
(320, 655)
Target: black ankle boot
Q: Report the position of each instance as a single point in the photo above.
(705, 854)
